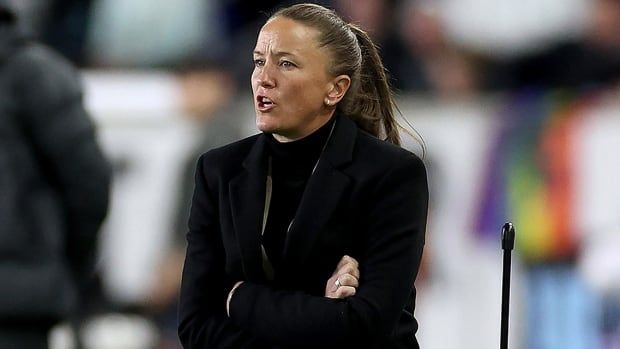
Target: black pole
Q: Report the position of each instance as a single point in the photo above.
(508, 243)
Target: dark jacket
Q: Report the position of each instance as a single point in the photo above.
(54, 182)
(367, 199)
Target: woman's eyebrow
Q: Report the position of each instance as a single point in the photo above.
(276, 53)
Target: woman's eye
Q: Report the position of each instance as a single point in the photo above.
(259, 62)
(287, 64)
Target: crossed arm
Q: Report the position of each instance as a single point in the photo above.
(342, 283)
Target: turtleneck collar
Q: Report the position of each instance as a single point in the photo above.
(307, 149)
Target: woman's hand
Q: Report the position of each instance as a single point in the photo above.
(345, 279)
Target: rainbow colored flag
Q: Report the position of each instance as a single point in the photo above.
(529, 177)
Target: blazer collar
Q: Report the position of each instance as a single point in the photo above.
(339, 149)
(320, 199)
(247, 202)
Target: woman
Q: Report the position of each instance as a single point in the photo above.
(308, 235)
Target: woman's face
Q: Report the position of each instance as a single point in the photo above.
(290, 82)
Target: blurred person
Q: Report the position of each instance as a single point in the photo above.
(377, 18)
(53, 189)
(430, 63)
(65, 26)
(589, 61)
(371, 15)
(32, 14)
(60, 24)
(416, 52)
(310, 233)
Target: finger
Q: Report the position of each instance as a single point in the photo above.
(346, 259)
(345, 291)
(348, 280)
(349, 269)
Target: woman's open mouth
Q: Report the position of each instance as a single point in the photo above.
(264, 104)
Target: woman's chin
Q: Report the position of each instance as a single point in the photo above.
(265, 125)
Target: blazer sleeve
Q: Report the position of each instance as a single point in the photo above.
(203, 322)
(391, 252)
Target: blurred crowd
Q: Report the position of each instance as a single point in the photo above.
(425, 44)
(446, 50)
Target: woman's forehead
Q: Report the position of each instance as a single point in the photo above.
(286, 35)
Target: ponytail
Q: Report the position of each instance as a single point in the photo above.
(371, 103)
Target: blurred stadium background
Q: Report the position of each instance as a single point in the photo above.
(518, 102)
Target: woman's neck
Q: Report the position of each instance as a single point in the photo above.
(319, 122)
(301, 150)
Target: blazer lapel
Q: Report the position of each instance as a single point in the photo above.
(323, 192)
(247, 202)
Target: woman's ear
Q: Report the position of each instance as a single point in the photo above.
(337, 89)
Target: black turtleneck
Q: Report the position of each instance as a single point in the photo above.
(292, 164)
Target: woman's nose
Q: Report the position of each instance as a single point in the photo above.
(265, 77)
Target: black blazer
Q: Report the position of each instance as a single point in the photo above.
(367, 198)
